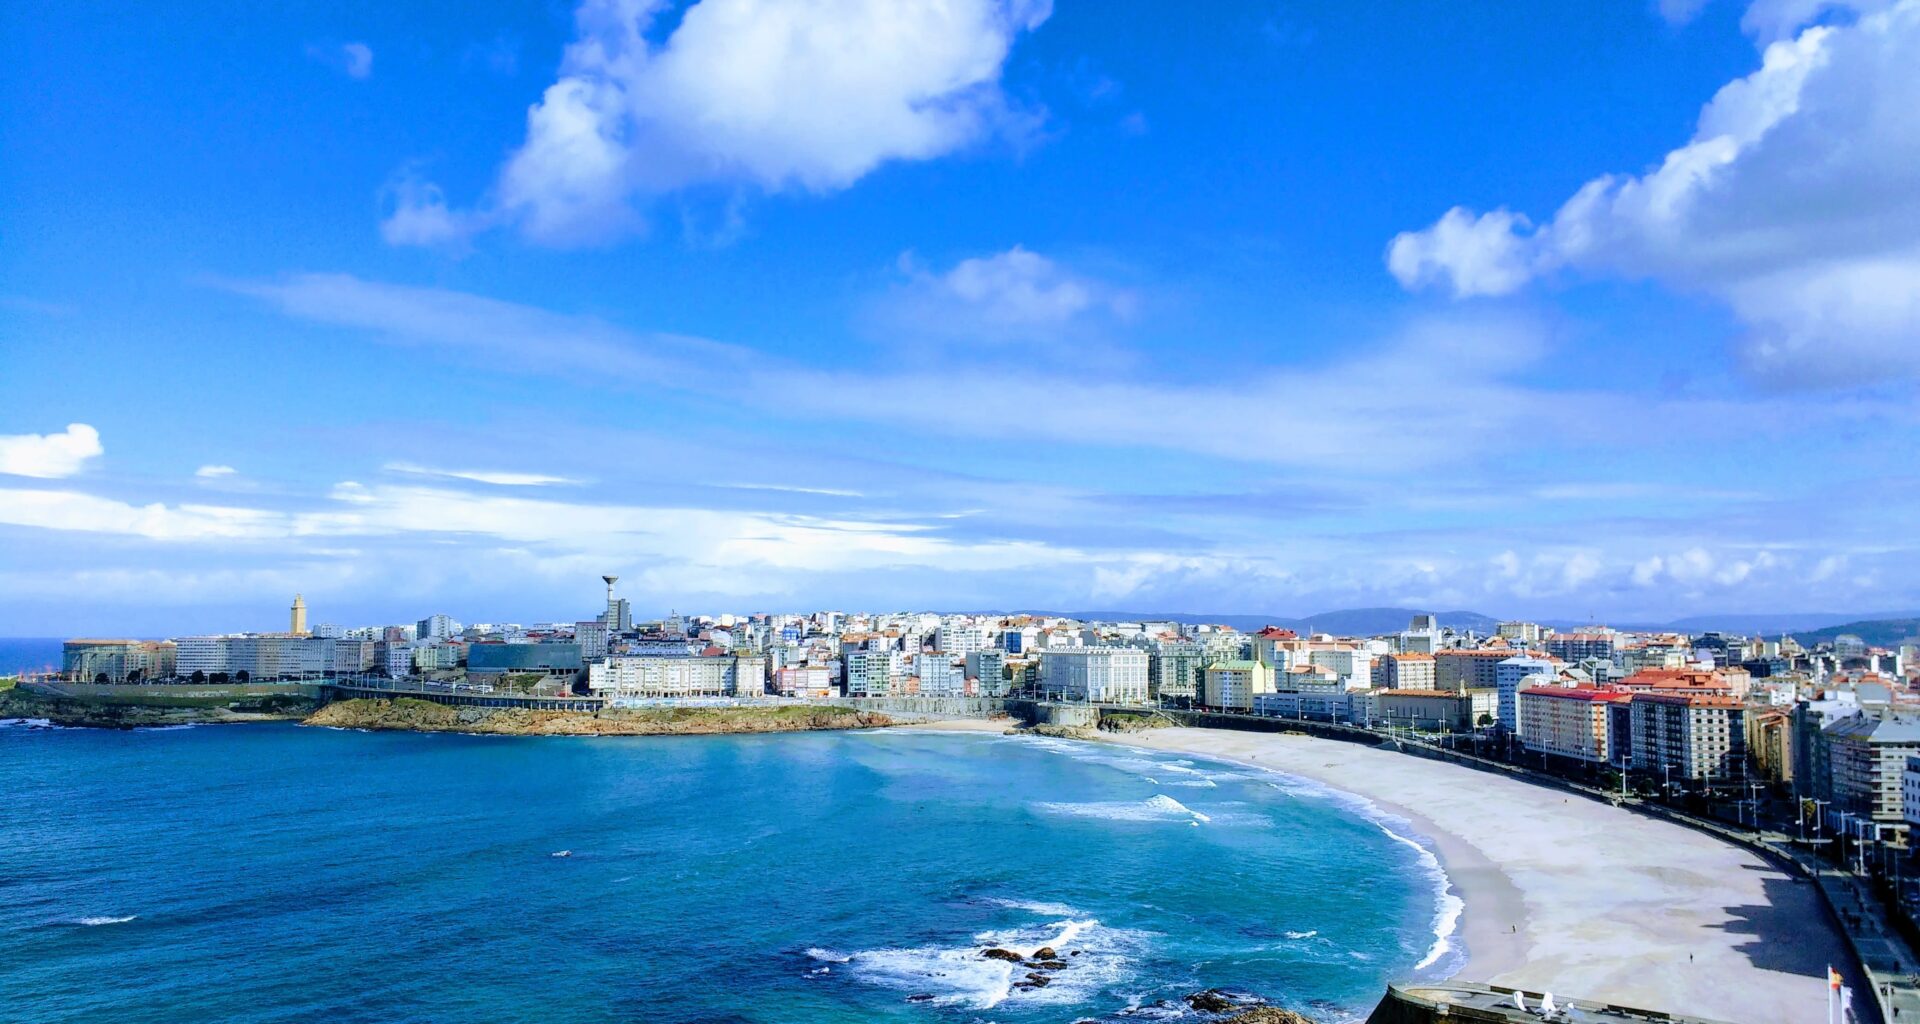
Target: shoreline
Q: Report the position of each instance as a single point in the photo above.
(1570, 895)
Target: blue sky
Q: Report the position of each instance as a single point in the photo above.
(1549, 310)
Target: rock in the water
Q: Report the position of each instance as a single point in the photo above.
(1048, 965)
(996, 953)
(1267, 1015)
(1044, 953)
(1213, 1001)
(920, 997)
(1039, 980)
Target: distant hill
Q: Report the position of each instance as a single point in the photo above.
(1347, 622)
(1878, 632)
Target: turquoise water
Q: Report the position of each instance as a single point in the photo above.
(276, 873)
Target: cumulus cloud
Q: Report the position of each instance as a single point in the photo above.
(761, 93)
(1793, 203)
(1014, 296)
(418, 214)
(49, 456)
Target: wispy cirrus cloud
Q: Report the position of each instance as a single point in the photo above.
(498, 478)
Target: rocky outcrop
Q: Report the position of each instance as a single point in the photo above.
(411, 715)
(1125, 721)
(1268, 1015)
(1240, 1008)
(1008, 955)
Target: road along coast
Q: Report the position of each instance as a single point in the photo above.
(1571, 895)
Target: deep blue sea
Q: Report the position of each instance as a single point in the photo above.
(28, 653)
(277, 873)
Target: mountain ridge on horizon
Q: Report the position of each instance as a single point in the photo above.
(1376, 621)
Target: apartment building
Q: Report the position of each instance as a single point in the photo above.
(1692, 736)
(1565, 721)
(1114, 675)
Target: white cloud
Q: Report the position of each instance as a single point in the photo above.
(1014, 296)
(419, 214)
(355, 60)
(86, 513)
(483, 476)
(1371, 412)
(214, 472)
(1793, 203)
(49, 456)
(1679, 12)
(765, 93)
(833, 492)
(1472, 255)
(359, 59)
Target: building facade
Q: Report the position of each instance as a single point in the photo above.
(1111, 675)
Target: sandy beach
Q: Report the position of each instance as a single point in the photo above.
(1573, 896)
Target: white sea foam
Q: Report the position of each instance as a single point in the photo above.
(1303, 935)
(1448, 906)
(164, 728)
(27, 723)
(1033, 906)
(1159, 807)
(1446, 916)
(95, 922)
(1097, 956)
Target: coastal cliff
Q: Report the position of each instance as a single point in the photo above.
(411, 715)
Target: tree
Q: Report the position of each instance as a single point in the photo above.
(244, 676)
(199, 677)
(101, 677)
(133, 676)
(218, 677)
(1485, 720)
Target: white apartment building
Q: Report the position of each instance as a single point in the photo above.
(659, 678)
(869, 673)
(1513, 675)
(1113, 675)
(961, 638)
(940, 675)
(399, 660)
(1353, 666)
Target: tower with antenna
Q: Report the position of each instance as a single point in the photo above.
(619, 617)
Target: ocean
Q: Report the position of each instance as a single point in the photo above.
(28, 653)
(278, 873)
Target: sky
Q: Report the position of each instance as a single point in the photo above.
(1571, 310)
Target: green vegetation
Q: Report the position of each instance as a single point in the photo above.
(1878, 632)
(1127, 721)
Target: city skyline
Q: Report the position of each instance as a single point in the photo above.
(1277, 310)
